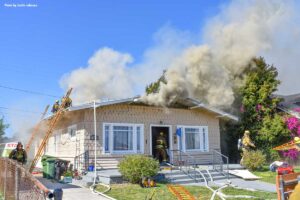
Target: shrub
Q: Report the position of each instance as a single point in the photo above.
(68, 173)
(254, 159)
(134, 167)
(271, 155)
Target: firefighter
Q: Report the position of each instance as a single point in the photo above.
(246, 144)
(68, 101)
(161, 148)
(19, 154)
(55, 107)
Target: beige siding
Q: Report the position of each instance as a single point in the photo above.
(146, 115)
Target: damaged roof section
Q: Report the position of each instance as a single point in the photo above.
(186, 103)
(290, 104)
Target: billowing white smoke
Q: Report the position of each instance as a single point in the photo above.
(209, 72)
(105, 76)
(109, 73)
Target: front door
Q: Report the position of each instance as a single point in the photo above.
(157, 136)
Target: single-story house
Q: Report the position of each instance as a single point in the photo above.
(128, 126)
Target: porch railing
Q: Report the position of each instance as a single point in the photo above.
(185, 162)
(81, 162)
(189, 165)
(218, 163)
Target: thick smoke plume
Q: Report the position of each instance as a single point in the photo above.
(105, 76)
(208, 71)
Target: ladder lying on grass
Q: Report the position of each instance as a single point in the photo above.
(53, 121)
(180, 192)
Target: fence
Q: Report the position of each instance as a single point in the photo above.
(16, 183)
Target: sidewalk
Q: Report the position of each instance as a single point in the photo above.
(71, 191)
(241, 183)
(257, 185)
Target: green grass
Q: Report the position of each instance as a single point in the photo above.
(268, 176)
(136, 192)
(161, 192)
(202, 193)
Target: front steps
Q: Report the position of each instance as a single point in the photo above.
(173, 174)
(105, 163)
(176, 176)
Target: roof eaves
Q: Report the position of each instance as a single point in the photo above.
(291, 112)
(112, 102)
(215, 110)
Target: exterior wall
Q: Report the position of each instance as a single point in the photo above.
(156, 116)
(124, 113)
(61, 143)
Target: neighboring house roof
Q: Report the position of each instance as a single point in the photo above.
(188, 102)
(290, 104)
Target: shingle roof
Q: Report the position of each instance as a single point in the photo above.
(189, 102)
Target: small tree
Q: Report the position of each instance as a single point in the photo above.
(259, 106)
(154, 87)
(3, 127)
(135, 167)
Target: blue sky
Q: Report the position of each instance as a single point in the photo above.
(39, 45)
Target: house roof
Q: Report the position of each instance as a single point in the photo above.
(290, 104)
(188, 102)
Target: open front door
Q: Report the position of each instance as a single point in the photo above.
(160, 133)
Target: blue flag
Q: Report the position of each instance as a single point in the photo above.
(178, 132)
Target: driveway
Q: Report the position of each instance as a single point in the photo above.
(71, 191)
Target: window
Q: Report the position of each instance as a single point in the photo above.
(72, 131)
(194, 138)
(138, 139)
(122, 138)
(106, 139)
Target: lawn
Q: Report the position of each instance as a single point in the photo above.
(161, 192)
(268, 176)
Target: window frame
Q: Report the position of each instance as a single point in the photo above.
(204, 146)
(72, 128)
(111, 139)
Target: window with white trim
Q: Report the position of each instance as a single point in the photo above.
(72, 131)
(123, 138)
(194, 138)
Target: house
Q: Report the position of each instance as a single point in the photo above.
(290, 104)
(128, 126)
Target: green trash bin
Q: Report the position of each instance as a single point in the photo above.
(47, 165)
(51, 167)
(44, 164)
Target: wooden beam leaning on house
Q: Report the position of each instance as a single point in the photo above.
(35, 130)
(55, 118)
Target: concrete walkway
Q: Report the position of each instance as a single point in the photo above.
(241, 183)
(71, 191)
(257, 185)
